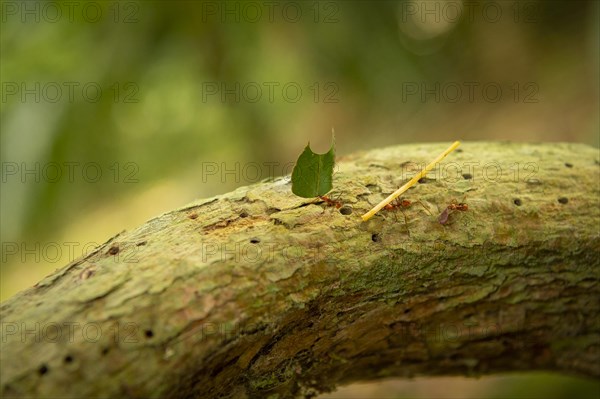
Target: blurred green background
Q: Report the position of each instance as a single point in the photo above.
(114, 112)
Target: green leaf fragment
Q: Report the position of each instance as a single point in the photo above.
(313, 174)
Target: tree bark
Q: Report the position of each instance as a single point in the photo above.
(259, 293)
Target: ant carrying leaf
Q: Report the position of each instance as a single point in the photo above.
(331, 202)
(454, 206)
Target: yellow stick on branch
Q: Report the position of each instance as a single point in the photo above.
(410, 183)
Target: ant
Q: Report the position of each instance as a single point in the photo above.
(454, 206)
(331, 202)
(401, 203)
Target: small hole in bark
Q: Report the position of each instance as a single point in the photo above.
(375, 237)
(568, 165)
(255, 240)
(346, 210)
(148, 333)
(105, 351)
(423, 180)
(406, 311)
(277, 222)
(139, 244)
(517, 202)
(68, 359)
(467, 176)
(459, 150)
(563, 200)
(43, 369)
(193, 216)
(244, 214)
(113, 250)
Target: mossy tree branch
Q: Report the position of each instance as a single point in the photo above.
(258, 292)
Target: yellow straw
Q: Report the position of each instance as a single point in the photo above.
(410, 183)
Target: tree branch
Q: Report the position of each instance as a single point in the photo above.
(258, 292)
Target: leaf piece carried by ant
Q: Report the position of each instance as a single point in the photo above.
(454, 206)
(313, 173)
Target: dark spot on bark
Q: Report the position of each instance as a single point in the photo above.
(272, 210)
(68, 359)
(105, 351)
(517, 202)
(406, 311)
(467, 176)
(193, 216)
(141, 243)
(113, 250)
(568, 165)
(423, 180)
(148, 333)
(43, 369)
(346, 210)
(255, 240)
(277, 222)
(563, 200)
(372, 186)
(375, 237)
(243, 214)
(459, 150)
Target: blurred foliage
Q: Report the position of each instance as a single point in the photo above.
(157, 124)
(531, 385)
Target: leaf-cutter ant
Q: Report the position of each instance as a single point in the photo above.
(401, 204)
(454, 206)
(329, 201)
